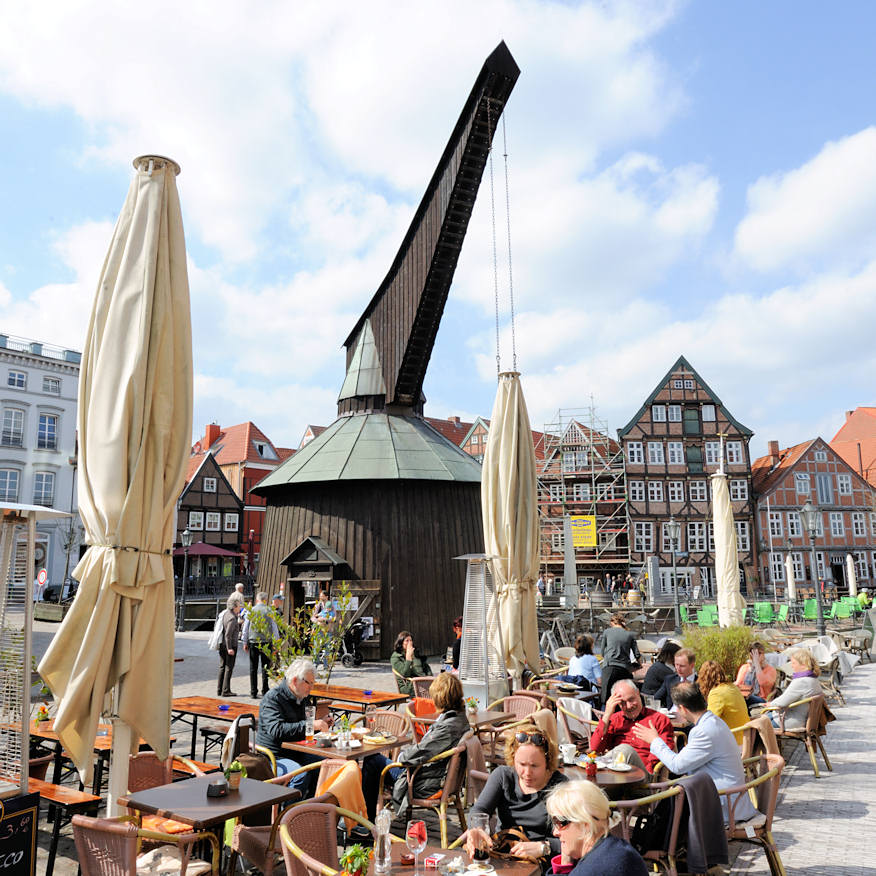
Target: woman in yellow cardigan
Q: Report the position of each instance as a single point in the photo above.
(723, 699)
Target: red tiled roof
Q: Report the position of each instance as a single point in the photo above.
(453, 429)
(234, 444)
(766, 473)
(285, 452)
(855, 442)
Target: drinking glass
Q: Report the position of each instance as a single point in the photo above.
(415, 837)
(480, 821)
(309, 716)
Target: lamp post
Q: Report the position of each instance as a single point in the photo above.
(673, 530)
(810, 515)
(186, 543)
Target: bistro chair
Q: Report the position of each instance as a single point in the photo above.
(812, 732)
(421, 685)
(422, 714)
(146, 770)
(765, 789)
(574, 722)
(476, 770)
(111, 847)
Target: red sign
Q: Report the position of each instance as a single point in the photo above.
(42, 577)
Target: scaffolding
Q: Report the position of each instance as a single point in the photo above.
(582, 473)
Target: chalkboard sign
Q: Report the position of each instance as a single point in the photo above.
(18, 834)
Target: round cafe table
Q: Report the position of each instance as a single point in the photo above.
(615, 784)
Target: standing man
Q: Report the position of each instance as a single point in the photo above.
(282, 719)
(259, 631)
(228, 644)
(539, 589)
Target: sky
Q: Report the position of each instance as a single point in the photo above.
(684, 178)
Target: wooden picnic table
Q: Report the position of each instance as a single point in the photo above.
(207, 707)
(339, 693)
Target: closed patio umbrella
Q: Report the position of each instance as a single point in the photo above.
(789, 575)
(731, 605)
(852, 575)
(509, 502)
(135, 424)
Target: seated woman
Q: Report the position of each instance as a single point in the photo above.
(723, 699)
(804, 683)
(663, 665)
(756, 679)
(516, 794)
(407, 662)
(451, 725)
(579, 813)
(584, 669)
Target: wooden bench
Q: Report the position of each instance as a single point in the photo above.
(182, 770)
(68, 802)
(213, 738)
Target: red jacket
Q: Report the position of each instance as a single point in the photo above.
(620, 730)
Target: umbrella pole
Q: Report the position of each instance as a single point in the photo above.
(119, 759)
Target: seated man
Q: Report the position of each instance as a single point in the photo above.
(623, 713)
(710, 747)
(685, 670)
(282, 719)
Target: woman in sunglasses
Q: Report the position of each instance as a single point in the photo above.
(579, 814)
(516, 794)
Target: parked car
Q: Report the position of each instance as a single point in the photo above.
(53, 592)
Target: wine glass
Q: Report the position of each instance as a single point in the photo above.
(415, 837)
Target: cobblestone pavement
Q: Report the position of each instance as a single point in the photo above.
(822, 826)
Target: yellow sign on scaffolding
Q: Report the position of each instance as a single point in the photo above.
(583, 530)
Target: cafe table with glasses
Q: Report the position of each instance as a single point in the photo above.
(361, 746)
(615, 779)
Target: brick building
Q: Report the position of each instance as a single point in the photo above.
(855, 442)
(784, 480)
(671, 447)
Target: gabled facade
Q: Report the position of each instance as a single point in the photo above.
(212, 512)
(855, 442)
(671, 447)
(784, 480)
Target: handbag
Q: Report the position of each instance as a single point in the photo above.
(503, 842)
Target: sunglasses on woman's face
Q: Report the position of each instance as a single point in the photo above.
(534, 738)
(559, 823)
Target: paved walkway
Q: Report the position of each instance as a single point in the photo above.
(823, 826)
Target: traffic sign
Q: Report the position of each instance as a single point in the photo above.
(42, 577)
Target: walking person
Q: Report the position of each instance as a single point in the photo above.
(259, 631)
(228, 644)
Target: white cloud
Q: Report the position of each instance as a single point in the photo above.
(823, 212)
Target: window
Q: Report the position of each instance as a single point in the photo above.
(743, 542)
(696, 537)
(475, 439)
(819, 526)
(677, 384)
(824, 489)
(795, 524)
(13, 428)
(675, 450)
(844, 485)
(18, 379)
(694, 459)
(734, 452)
(819, 563)
(691, 421)
(738, 489)
(52, 385)
(569, 461)
(47, 432)
(209, 485)
(797, 566)
(688, 383)
(643, 538)
(655, 491)
(231, 522)
(213, 521)
(675, 413)
(708, 413)
(710, 529)
(637, 491)
(821, 456)
(196, 520)
(556, 492)
(658, 413)
(8, 485)
(713, 452)
(861, 565)
(801, 481)
(666, 541)
(775, 518)
(604, 492)
(635, 452)
(837, 527)
(655, 452)
(777, 566)
(43, 488)
(676, 491)
(557, 542)
(581, 492)
(698, 491)
(873, 523)
(859, 525)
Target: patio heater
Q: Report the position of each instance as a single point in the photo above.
(481, 656)
(673, 530)
(186, 538)
(811, 515)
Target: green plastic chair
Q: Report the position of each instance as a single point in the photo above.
(705, 618)
(685, 617)
(763, 612)
(843, 610)
(810, 609)
(782, 616)
(833, 611)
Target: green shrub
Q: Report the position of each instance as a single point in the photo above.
(728, 646)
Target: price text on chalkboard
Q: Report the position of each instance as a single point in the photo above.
(18, 834)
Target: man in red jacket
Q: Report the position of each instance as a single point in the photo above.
(614, 732)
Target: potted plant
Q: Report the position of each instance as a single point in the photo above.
(471, 704)
(355, 861)
(235, 772)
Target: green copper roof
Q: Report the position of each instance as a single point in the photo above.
(365, 375)
(376, 446)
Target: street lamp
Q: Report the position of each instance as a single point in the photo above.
(810, 515)
(186, 543)
(673, 530)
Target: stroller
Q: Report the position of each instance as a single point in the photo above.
(351, 654)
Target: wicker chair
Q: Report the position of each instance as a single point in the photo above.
(399, 724)
(518, 705)
(810, 733)
(109, 847)
(146, 770)
(631, 811)
(573, 727)
(421, 685)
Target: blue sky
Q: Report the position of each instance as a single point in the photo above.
(685, 178)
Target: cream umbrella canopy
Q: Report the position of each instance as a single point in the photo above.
(789, 576)
(509, 501)
(852, 575)
(135, 421)
(731, 605)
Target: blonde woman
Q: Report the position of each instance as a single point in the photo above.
(724, 699)
(804, 683)
(579, 813)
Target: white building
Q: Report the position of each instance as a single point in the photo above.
(39, 387)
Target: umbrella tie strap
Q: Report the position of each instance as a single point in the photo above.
(131, 548)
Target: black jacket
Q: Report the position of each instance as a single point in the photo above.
(281, 718)
(664, 692)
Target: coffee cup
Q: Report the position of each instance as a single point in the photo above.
(569, 751)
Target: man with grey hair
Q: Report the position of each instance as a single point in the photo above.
(282, 719)
(259, 631)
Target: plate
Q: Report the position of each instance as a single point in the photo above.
(379, 740)
(482, 869)
(619, 767)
